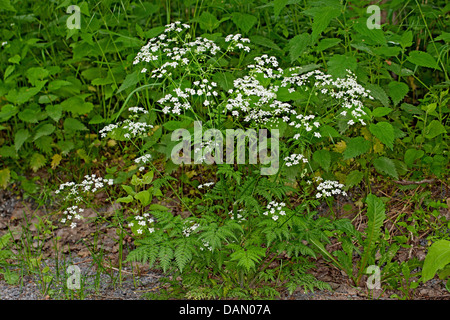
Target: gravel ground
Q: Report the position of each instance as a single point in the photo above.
(94, 285)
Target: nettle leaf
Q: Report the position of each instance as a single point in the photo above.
(20, 137)
(36, 74)
(298, 45)
(412, 155)
(208, 21)
(243, 21)
(279, 5)
(356, 147)
(327, 43)
(378, 93)
(77, 106)
(71, 124)
(54, 111)
(338, 65)
(354, 178)
(7, 111)
(397, 91)
(423, 59)
(323, 158)
(44, 130)
(265, 42)
(386, 166)
(5, 176)
(37, 161)
(434, 129)
(381, 111)
(130, 81)
(44, 144)
(384, 132)
(437, 258)
(322, 20)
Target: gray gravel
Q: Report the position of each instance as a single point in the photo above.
(94, 284)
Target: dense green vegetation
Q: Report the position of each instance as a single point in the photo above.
(362, 116)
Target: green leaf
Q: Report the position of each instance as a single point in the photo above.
(327, 43)
(338, 65)
(323, 158)
(437, 258)
(384, 132)
(423, 59)
(298, 45)
(144, 197)
(397, 91)
(386, 166)
(44, 130)
(279, 5)
(77, 106)
(7, 111)
(243, 21)
(130, 81)
(126, 199)
(354, 178)
(44, 144)
(406, 39)
(37, 161)
(5, 176)
(71, 124)
(265, 42)
(54, 112)
(381, 111)
(322, 20)
(6, 5)
(29, 115)
(20, 137)
(208, 21)
(434, 129)
(36, 74)
(412, 155)
(157, 207)
(129, 190)
(378, 93)
(356, 147)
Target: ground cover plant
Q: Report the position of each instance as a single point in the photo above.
(241, 149)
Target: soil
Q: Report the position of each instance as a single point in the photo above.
(95, 239)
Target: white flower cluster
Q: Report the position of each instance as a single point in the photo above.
(236, 41)
(91, 183)
(188, 230)
(144, 222)
(275, 209)
(239, 217)
(133, 128)
(72, 213)
(295, 159)
(207, 184)
(167, 52)
(329, 188)
(143, 159)
(346, 90)
(179, 99)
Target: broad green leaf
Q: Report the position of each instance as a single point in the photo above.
(322, 20)
(76, 105)
(244, 21)
(20, 137)
(386, 166)
(354, 178)
(129, 190)
(434, 129)
(6, 5)
(279, 5)
(265, 42)
(412, 155)
(126, 199)
(37, 161)
(327, 43)
(36, 74)
(71, 124)
(54, 111)
(378, 93)
(423, 59)
(356, 147)
(7, 111)
(381, 111)
(208, 21)
(130, 81)
(5, 176)
(323, 158)
(384, 132)
(437, 258)
(406, 39)
(144, 197)
(44, 130)
(397, 91)
(157, 207)
(338, 65)
(298, 45)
